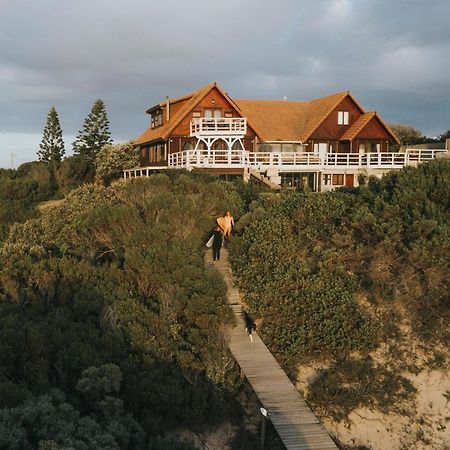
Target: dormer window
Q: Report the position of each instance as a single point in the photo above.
(342, 117)
(157, 119)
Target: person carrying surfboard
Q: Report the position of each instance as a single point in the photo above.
(226, 223)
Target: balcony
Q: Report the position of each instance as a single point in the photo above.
(221, 126)
(289, 162)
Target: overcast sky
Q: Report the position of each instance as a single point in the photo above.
(394, 55)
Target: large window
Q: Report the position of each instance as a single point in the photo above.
(342, 117)
(156, 153)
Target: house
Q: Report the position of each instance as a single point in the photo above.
(319, 144)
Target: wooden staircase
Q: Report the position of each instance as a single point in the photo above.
(263, 180)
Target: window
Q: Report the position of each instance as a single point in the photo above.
(210, 113)
(327, 179)
(196, 114)
(342, 117)
(228, 114)
(156, 119)
(338, 179)
(287, 148)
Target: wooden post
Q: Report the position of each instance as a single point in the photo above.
(263, 427)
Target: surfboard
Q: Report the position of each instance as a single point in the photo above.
(221, 222)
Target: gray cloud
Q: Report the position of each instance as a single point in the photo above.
(394, 56)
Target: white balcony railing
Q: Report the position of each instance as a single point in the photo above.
(221, 126)
(289, 162)
(280, 160)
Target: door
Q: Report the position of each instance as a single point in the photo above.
(320, 149)
(349, 180)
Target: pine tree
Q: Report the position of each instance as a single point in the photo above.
(52, 144)
(95, 133)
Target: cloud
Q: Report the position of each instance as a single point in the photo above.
(394, 56)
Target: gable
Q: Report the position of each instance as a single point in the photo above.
(329, 128)
(215, 99)
(181, 113)
(375, 129)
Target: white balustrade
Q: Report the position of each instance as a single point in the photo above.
(219, 126)
(288, 160)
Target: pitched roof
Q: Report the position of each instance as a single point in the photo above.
(190, 101)
(163, 132)
(357, 126)
(282, 120)
(272, 120)
(361, 122)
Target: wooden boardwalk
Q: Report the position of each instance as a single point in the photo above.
(297, 426)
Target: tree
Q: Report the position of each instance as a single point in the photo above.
(444, 136)
(95, 133)
(407, 134)
(52, 144)
(111, 160)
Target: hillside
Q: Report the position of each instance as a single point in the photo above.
(113, 334)
(350, 291)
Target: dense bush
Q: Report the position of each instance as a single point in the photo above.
(297, 285)
(112, 160)
(72, 172)
(333, 273)
(105, 298)
(21, 190)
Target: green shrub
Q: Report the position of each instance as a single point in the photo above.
(110, 288)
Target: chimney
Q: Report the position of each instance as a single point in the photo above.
(168, 107)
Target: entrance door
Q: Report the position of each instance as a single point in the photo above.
(349, 180)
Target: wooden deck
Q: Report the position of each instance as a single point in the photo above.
(297, 426)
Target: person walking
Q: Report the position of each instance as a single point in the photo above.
(217, 243)
(249, 325)
(229, 224)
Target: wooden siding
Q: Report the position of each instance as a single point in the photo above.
(374, 130)
(329, 130)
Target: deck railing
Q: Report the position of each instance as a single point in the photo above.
(220, 126)
(287, 161)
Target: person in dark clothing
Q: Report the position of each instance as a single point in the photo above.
(249, 325)
(217, 243)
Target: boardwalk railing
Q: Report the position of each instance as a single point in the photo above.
(288, 161)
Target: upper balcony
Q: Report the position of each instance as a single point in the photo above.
(219, 126)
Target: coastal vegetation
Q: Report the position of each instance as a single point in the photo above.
(335, 277)
(113, 334)
(111, 330)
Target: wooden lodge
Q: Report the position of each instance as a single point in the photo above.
(320, 144)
